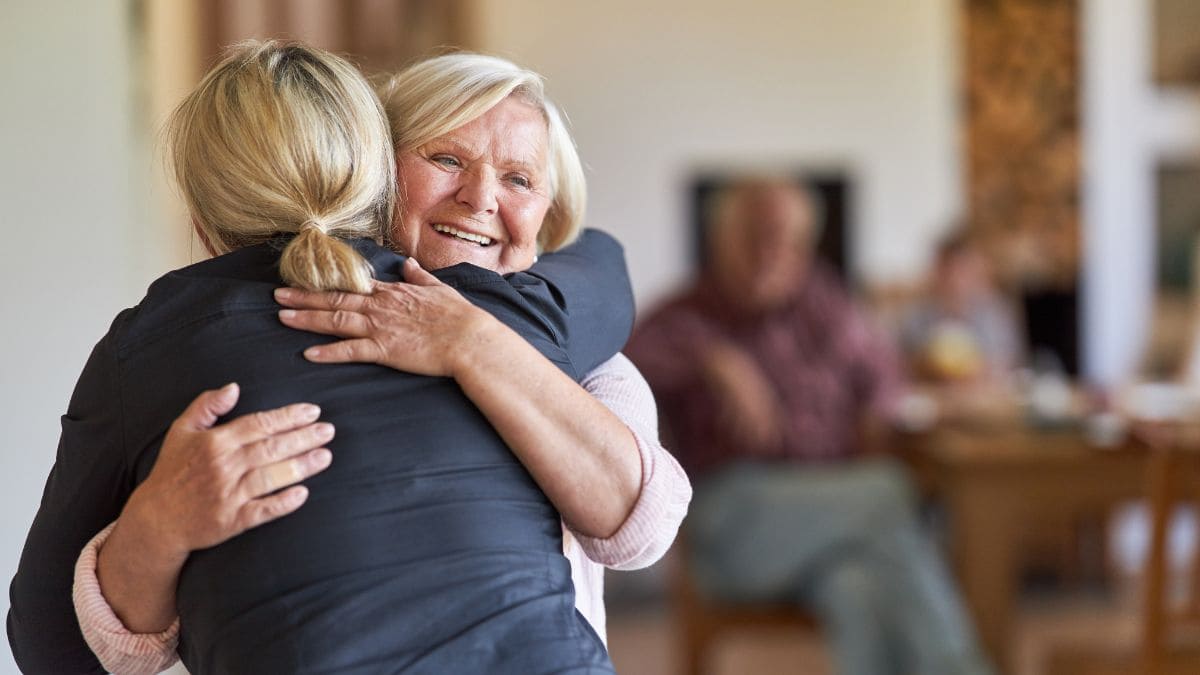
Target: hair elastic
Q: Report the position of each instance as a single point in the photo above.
(312, 224)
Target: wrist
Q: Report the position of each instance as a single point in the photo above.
(140, 532)
(479, 339)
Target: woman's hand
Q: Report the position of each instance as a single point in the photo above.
(581, 455)
(422, 327)
(212, 483)
(209, 484)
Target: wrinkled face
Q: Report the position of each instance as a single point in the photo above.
(764, 251)
(478, 194)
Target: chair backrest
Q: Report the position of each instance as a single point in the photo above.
(1173, 478)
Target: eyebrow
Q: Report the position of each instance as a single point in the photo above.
(473, 153)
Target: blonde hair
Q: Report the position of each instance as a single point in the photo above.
(280, 137)
(440, 94)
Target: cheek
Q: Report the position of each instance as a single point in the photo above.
(526, 219)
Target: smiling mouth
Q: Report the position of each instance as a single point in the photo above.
(465, 236)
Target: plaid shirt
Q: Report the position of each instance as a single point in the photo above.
(827, 364)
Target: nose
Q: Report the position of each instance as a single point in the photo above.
(479, 190)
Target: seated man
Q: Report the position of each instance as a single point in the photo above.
(777, 389)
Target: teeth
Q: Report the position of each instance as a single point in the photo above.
(477, 238)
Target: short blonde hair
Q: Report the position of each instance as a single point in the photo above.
(440, 94)
(280, 137)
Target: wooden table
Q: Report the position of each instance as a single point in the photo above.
(997, 485)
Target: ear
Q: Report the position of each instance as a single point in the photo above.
(203, 237)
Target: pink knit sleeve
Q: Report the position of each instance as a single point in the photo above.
(119, 650)
(652, 525)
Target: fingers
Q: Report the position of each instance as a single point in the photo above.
(259, 425)
(267, 479)
(259, 511)
(415, 274)
(342, 323)
(362, 350)
(286, 445)
(296, 298)
(206, 408)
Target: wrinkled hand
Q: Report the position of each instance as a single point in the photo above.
(211, 483)
(748, 406)
(422, 326)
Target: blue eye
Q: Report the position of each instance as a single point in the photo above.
(520, 181)
(446, 160)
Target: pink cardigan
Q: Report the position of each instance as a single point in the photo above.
(644, 537)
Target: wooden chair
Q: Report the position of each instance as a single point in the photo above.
(702, 620)
(1173, 479)
(1164, 646)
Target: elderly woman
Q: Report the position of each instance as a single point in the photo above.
(488, 175)
(422, 548)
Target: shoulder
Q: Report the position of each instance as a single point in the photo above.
(241, 281)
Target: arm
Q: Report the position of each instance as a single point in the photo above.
(584, 291)
(580, 454)
(86, 487)
(665, 492)
(119, 650)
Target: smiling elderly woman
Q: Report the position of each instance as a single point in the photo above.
(487, 175)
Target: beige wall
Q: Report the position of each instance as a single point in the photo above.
(72, 255)
(656, 90)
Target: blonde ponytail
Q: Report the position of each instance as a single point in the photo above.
(283, 138)
(315, 261)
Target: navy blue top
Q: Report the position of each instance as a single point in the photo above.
(425, 548)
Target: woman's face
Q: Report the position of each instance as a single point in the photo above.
(478, 194)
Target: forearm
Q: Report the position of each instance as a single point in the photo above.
(581, 454)
(119, 649)
(661, 504)
(138, 573)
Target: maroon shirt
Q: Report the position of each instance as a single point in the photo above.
(827, 364)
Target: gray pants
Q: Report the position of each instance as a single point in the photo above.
(844, 542)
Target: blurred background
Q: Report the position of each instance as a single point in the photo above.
(1063, 136)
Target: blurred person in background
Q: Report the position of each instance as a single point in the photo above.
(963, 330)
(779, 393)
(962, 339)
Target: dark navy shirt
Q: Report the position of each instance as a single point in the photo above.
(425, 548)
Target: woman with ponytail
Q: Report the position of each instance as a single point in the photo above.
(425, 546)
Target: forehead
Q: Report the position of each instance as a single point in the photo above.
(512, 131)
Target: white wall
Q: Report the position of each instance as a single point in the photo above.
(71, 256)
(1129, 125)
(656, 90)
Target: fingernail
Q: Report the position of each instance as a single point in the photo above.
(287, 314)
(414, 261)
(324, 430)
(323, 457)
(310, 411)
(283, 293)
(312, 352)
